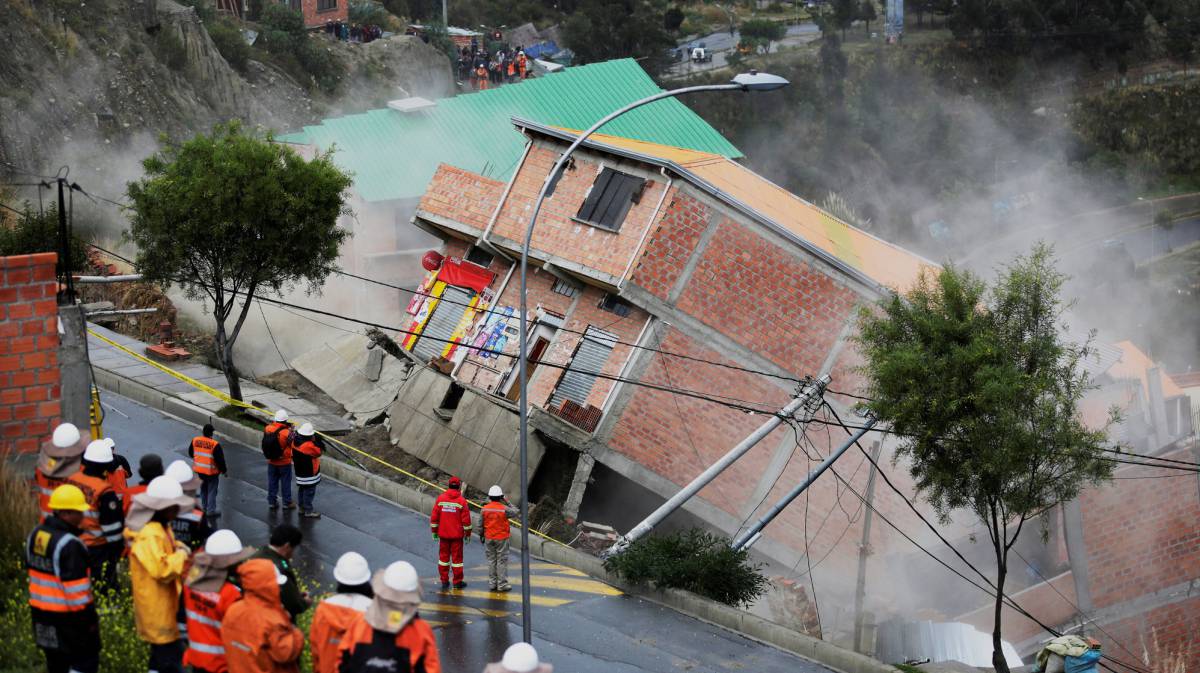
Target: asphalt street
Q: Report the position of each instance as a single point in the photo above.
(580, 625)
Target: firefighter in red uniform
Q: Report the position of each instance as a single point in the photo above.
(104, 522)
(65, 624)
(451, 525)
(207, 594)
(59, 459)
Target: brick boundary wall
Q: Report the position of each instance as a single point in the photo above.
(29, 374)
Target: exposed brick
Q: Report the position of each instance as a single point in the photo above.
(29, 374)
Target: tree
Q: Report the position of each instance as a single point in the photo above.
(983, 391)
(762, 32)
(867, 13)
(844, 14)
(232, 216)
(600, 30)
(673, 18)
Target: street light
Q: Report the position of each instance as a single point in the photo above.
(751, 81)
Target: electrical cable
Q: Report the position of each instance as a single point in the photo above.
(808, 557)
(267, 324)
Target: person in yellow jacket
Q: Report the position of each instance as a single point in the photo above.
(156, 568)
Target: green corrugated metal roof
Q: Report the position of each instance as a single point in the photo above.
(393, 155)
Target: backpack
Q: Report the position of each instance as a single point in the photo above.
(272, 448)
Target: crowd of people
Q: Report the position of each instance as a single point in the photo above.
(484, 69)
(353, 32)
(205, 601)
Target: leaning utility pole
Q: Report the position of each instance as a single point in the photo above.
(864, 550)
(747, 539)
(807, 401)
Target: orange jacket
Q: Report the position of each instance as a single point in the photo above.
(256, 632)
(330, 620)
(495, 521)
(450, 517)
(46, 486)
(285, 443)
(205, 610)
(365, 650)
(104, 521)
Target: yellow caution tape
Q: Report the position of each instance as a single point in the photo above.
(224, 397)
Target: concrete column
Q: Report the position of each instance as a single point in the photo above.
(1077, 554)
(1158, 409)
(583, 472)
(76, 372)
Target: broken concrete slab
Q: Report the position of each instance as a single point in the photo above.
(339, 367)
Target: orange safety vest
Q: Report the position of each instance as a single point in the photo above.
(46, 486)
(205, 610)
(332, 618)
(202, 456)
(495, 521)
(47, 590)
(117, 479)
(93, 488)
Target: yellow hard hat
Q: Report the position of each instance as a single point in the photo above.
(69, 497)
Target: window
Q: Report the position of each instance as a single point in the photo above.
(477, 255)
(565, 287)
(610, 198)
(580, 375)
(326, 5)
(614, 304)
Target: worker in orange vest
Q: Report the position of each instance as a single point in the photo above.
(523, 65)
(58, 459)
(65, 624)
(149, 467)
(494, 534)
(120, 473)
(391, 635)
(481, 77)
(207, 595)
(104, 522)
(208, 462)
(277, 449)
(335, 614)
(257, 634)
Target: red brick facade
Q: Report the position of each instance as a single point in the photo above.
(462, 196)
(317, 13)
(29, 375)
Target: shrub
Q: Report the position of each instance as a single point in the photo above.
(169, 49)
(228, 39)
(38, 232)
(692, 560)
(284, 35)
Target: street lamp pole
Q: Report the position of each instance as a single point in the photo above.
(752, 81)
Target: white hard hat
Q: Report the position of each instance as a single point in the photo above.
(179, 471)
(65, 435)
(222, 543)
(520, 658)
(281, 416)
(495, 492)
(306, 430)
(164, 487)
(401, 576)
(98, 451)
(352, 569)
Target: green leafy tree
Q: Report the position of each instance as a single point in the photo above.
(600, 30)
(231, 217)
(844, 13)
(983, 391)
(32, 232)
(439, 38)
(763, 32)
(673, 18)
(867, 14)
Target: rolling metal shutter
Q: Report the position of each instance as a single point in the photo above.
(446, 316)
(590, 356)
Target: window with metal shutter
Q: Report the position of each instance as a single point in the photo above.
(610, 199)
(440, 326)
(590, 356)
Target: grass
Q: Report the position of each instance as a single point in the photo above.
(908, 669)
(232, 413)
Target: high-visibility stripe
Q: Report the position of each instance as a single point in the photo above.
(205, 648)
(456, 565)
(110, 527)
(46, 491)
(201, 619)
(189, 516)
(444, 563)
(308, 481)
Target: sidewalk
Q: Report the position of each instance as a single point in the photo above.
(105, 357)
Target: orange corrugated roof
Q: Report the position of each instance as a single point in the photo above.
(887, 264)
(1133, 365)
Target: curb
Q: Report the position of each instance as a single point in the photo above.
(706, 610)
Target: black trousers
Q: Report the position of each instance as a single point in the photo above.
(74, 660)
(166, 658)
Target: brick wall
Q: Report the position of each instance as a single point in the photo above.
(315, 18)
(606, 251)
(670, 245)
(461, 196)
(29, 376)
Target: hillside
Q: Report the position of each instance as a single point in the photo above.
(93, 85)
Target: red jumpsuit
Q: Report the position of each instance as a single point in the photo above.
(451, 522)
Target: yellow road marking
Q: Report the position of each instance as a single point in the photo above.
(585, 586)
(545, 601)
(435, 624)
(462, 610)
